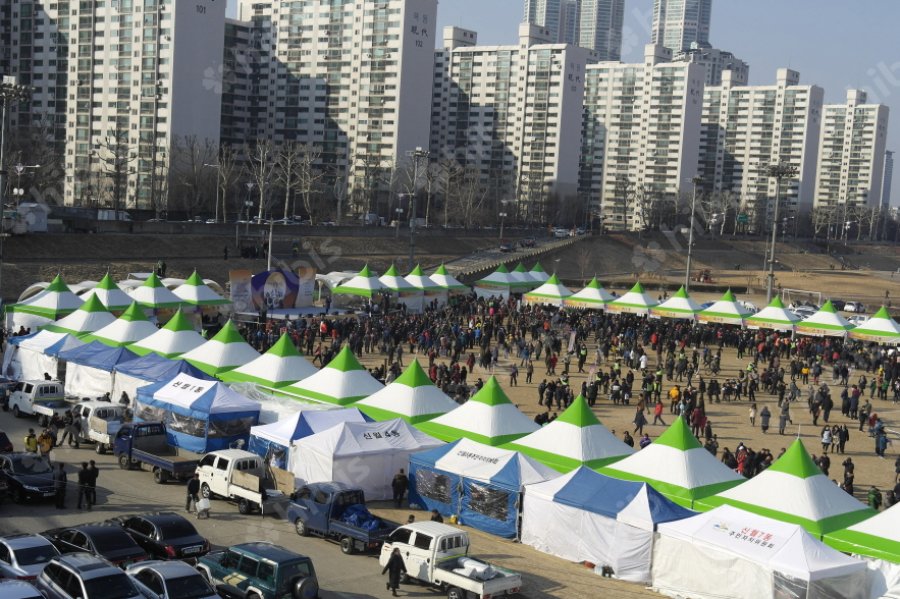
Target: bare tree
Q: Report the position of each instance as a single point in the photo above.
(583, 259)
(449, 171)
(339, 190)
(308, 176)
(287, 167)
(261, 160)
(194, 180)
(227, 175)
(470, 198)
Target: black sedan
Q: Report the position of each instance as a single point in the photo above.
(27, 476)
(165, 535)
(103, 540)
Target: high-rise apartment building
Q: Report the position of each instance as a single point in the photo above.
(592, 24)
(888, 179)
(746, 128)
(677, 24)
(716, 62)
(640, 136)
(851, 154)
(141, 82)
(512, 112)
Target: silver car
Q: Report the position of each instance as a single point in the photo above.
(86, 576)
(18, 589)
(171, 580)
(24, 556)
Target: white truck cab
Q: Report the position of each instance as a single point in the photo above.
(30, 398)
(100, 421)
(240, 476)
(437, 554)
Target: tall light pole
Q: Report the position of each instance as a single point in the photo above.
(687, 269)
(19, 191)
(217, 167)
(778, 172)
(416, 155)
(10, 93)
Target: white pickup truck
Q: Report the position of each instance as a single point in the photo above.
(100, 421)
(240, 476)
(437, 554)
(38, 398)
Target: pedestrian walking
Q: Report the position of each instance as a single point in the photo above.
(59, 485)
(753, 414)
(399, 485)
(84, 496)
(193, 492)
(639, 421)
(31, 443)
(394, 569)
(657, 413)
(92, 482)
(764, 417)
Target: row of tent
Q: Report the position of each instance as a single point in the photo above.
(57, 300)
(880, 327)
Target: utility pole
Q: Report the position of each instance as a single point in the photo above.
(778, 172)
(10, 93)
(416, 155)
(687, 270)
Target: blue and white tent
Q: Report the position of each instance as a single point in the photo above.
(200, 415)
(90, 368)
(273, 441)
(147, 369)
(479, 483)
(612, 520)
(30, 356)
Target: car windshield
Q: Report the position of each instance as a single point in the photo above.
(114, 586)
(189, 587)
(32, 465)
(291, 572)
(176, 529)
(112, 541)
(30, 556)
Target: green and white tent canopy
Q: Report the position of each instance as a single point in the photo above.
(411, 397)
(538, 274)
(131, 326)
(680, 305)
(54, 302)
(636, 301)
(879, 327)
(774, 316)
(877, 537)
(574, 439)
(176, 338)
(552, 292)
(448, 281)
(825, 323)
(152, 294)
(282, 365)
(521, 279)
(90, 317)
(499, 279)
(794, 490)
(195, 292)
(418, 279)
(488, 417)
(110, 294)
(364, 284)
(594, 296)
(225, 351)
(342, 381)
(725, 311)
(677, 466)
(397, 284)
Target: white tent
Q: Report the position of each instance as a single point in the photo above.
(276, 437)
(176, 338)
(496, 284)
(280, 366)
(411, 397)
(365, 455)
(90, 317)
(226, 350)
(636, 301)
(412, 297)
(552, 293)
(431, 289)
(30, 357)
(878, 328)
(594, 297)
(774, 316)
(680, 305)
(877, 540)
(153, 294)
(109, 294)
(726, 311)
(54, 302)
(131, 326)
(728, 552)
(614, 520)
(365, 284)
(447, 281)
(538, 274)
(195, 292)
(342, 381)
(826, 322)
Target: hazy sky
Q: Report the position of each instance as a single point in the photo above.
(836, 44)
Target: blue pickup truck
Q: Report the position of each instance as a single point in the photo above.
(336, 511)
(146, 443)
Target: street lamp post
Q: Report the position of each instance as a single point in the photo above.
(398, 211)
(778, 172)
(417, 155)
(19, 191)
(217, 167)
(687, 270)
(502, 220)
(10, 93)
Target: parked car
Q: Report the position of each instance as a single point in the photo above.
(838, 304)
(6, 445)
(27, 476)
(507, 247)
(262, 569)
(23, 556)
(855, 307)
(528, 242)
(85, 576)
(171, 580)
(19, 589)
(105, 540)
(165, 535)
(560, 233)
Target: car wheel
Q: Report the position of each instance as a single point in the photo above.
(300, 527)
(253, 596)
(100, 448)
(245, 506)
(347, 546)
(456, 593)
(305, 588)
(160, 476)
(205, 492)
(124, 462)
(16, 412)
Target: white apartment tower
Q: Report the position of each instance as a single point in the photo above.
(592, 24)
(640, 135)
(679, 23)
(140, 75)
(348, 75)
(888, 179)
(852, 154)
(716, 62)
(746, 128)
(549, 14)
(513, 112)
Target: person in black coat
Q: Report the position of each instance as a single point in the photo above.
(193, 492)
(395, 567)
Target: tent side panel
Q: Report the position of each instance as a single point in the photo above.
(127, 383)
(490, 508)
(547, 526)
(86, 381)
(433, 489)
